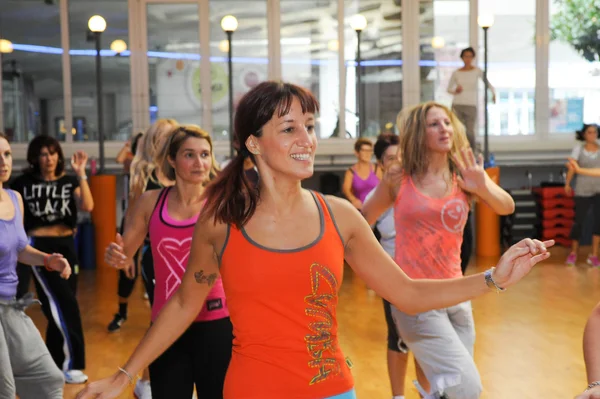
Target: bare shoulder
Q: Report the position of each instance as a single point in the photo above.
(19, 199)
(211, 232)
(346, 216)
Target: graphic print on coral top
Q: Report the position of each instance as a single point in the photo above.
(171, 243)
(429, 231)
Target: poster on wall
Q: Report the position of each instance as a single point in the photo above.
(566, 115)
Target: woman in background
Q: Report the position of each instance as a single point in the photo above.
(363, 176)
(52, 199)
(586, 154)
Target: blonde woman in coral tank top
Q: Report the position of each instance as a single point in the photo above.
(431, 196)
(280, 251)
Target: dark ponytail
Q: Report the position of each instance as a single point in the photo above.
(231, 198)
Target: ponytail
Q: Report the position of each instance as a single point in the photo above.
(231, 198)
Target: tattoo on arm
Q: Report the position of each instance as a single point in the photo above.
(201, 278)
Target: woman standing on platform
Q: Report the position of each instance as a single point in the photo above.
(280, 251)
(587, 192)
(52, 200)
(463, 86)
(438, 175)
(363, 176)
(26, 367)
(201, 356)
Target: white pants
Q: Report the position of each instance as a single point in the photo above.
(442, 342)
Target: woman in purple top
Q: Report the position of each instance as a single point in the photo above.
(363, 176)
(26, 367)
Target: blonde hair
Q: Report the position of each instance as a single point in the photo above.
(413, 140)
(143, 163)
(173, 143)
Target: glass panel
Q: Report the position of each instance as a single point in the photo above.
(444, 32)
(116, 94)
(309, 56)
(381, 79)
(249, 51)
(32, 83)
(174, 62)
(511, 67)
(574, 70)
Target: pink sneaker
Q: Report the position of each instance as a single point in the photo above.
(593, 260)
(571, 259)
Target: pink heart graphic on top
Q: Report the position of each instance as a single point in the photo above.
(175, 254)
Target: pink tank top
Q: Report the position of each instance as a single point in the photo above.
(429, 232)
(171, 243)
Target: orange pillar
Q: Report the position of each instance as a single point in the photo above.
(488, 223)
(104, 215)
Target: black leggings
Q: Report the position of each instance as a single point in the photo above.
(466, 248)
(64, 333)
(582, 208)
(199, 357)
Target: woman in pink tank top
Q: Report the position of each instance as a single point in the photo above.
(201, 355)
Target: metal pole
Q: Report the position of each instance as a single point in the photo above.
(230, 66)
(486, 153)
(359, 98)
(99, 100)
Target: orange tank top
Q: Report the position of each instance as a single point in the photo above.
(282, 304)
(429, 232)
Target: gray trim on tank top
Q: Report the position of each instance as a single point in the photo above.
(220, 255)
(333, 220)
(312, 244)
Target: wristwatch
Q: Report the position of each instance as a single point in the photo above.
(489, 280)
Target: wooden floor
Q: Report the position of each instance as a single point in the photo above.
(528, 339)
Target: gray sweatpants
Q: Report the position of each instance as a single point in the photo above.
(26, 367)
(467, 114)
(442, 342)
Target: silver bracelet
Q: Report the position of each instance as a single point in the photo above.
(489, 280)
(593, 384)
(122, 370)
(80, 178)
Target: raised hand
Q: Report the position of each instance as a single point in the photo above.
(593, 393)
(472, 174)
(107, 388)
(58, 263)
(79, 162)
(518, 260)
(114, 254)
(393, 178)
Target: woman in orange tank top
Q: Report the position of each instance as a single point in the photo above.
(280, 251)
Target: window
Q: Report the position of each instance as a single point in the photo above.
(381, 72)
(32, 84)
(511, 67)
(174, 62)
(573, 79)
(250, 60)
(309, 55)
(116, 95)
(444, 33)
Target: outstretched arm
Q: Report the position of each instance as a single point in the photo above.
(573, 167)
(176, 316)
(380, 272)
